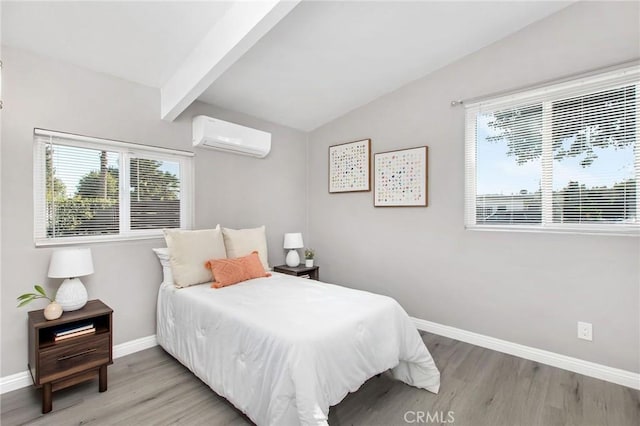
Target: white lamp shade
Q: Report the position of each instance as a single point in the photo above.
(70, 263)
(293, 240)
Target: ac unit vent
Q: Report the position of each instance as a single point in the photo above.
(224, 136)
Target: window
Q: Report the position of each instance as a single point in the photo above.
(560, 158)
(89, 189)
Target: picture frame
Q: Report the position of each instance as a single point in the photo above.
(401, 178)
(350, 167)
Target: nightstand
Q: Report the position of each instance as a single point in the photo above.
(55, 365)
(299, 271)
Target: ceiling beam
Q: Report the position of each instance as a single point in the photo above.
(239, 29)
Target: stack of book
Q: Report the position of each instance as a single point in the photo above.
(74, 331)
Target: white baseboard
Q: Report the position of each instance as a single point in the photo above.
(133, 346)
(587, 368)
(15, 381)
(23, 379)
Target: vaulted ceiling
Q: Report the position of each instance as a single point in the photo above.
(299, 64)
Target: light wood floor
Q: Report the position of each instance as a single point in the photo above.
(479, 386)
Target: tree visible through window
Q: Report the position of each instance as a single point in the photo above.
(559, 161)
(155, 194)
(84, 195)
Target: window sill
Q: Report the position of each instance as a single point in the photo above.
(96, 239)
(622, 231)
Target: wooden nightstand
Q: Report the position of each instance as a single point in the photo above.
(57, 365)
(299, 271)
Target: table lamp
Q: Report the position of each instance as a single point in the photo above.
(71, 264)
(293, 241)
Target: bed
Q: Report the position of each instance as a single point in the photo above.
(284, 349)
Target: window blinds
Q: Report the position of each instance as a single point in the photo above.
(155, 194)
(564, 157)
(88, 189)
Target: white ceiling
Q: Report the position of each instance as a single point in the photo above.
(320, 61)
(143, 41)
(327, 58)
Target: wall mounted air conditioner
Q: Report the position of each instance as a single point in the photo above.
(230, 137)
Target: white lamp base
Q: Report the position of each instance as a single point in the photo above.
(293, 258)
(72, 295)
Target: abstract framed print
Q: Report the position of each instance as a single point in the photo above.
(350, 167)
(401, 178)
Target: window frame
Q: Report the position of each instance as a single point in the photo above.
(125, 151)
(545, 96)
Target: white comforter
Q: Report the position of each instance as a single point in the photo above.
(284, 349)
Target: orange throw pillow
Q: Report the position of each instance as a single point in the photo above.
(233, 271)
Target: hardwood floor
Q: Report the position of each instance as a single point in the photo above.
(479, 387)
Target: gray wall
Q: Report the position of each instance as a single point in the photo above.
(529, 288)
(231, 190)
(523, 287)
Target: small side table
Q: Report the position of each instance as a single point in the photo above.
(55, 365)
(299, 271)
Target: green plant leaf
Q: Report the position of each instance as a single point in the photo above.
(24, 302)
(25, 296)
(40, 290)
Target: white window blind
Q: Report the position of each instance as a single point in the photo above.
(561, 158)
(89, 189)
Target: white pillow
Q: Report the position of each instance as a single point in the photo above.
(188, 252)
(163, 256)
(241, 242)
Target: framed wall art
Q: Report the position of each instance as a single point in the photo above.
(401, 178)
(350, 167)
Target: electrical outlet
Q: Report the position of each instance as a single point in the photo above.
(585, 331)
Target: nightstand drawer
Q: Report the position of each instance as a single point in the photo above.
(70, 358)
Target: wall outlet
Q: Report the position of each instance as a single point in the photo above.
(585, 331)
